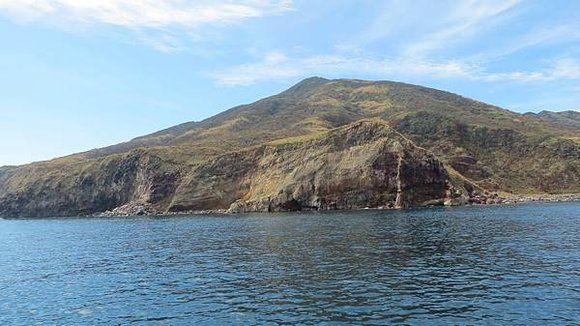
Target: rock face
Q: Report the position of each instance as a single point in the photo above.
(321, 144)
(101, 186)
(5, 174)
(366, 164)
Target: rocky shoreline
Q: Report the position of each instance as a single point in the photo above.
(515, 199)
(146, 209)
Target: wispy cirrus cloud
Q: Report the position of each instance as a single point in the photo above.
(278, 66)
(562, 69)
(164, 42)
(568, 32)
(464, 20)
(430, 26)
(417, 47)
(165, 25)
(143, 13)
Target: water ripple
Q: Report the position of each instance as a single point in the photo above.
(516, 265)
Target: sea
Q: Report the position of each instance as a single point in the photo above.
(474, 265)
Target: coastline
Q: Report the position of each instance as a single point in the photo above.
(145, 209)
(517, 199)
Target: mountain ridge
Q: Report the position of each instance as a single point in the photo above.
(483, 149)
(567, 119)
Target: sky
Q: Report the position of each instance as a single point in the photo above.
(83, 74)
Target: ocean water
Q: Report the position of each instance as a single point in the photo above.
(488, 265)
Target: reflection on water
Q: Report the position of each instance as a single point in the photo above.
(471, 265)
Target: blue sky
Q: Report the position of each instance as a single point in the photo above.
(81, 74)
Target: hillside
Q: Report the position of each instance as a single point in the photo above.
(318, 104)
(567, 119)
(320, 144)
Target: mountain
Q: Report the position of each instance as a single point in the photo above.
(321, 144)
(567, 119)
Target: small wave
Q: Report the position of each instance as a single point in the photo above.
(84, 311)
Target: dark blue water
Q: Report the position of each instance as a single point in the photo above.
(473, 265)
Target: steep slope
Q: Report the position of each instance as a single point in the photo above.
(159, 138)
(364, 164)
(499, 159)
(86, 187)
(5, 174)
(318, 104)
(482, 147)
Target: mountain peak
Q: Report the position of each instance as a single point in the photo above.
(306, 85)
(314, 79)
(337, 128)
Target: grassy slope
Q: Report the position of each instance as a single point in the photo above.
(512, 152)
(565, 119)
(317, 104)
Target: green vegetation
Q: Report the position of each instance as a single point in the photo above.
(566, 119)
(484, 146)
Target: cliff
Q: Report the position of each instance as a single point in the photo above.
(366, 164)
(322, 144)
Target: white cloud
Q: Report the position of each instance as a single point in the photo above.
(465, 19)
(165, 25)
(278, 66)
(563, 69)
(143, 13)
(566, 68)
(553, 34)
(387, 22)
(165, 43)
